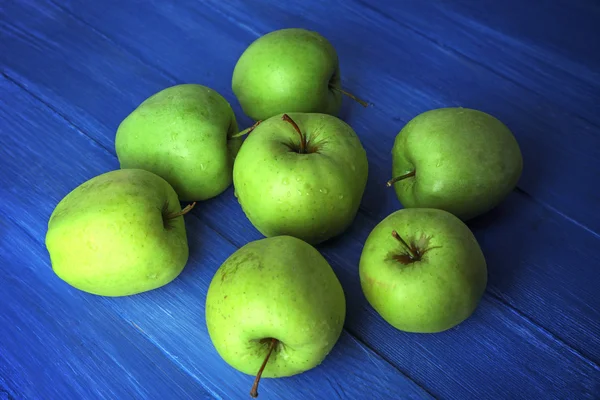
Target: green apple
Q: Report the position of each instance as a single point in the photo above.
(456, 159)
(185, 134)
(301, 174)
(289, 70)
(117, 234)
(275, 308)
(422, 270)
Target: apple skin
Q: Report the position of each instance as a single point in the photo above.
(313, 196)
(107, 236)
(281, 288)
(288, 70)
(465, 161)
(183, 134)
(433, 294)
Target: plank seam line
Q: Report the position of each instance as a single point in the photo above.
(383, 357)
(553, 209)
(124, 48)
(366, 214)
(200, 220)
(171, 77)
(452, 50)
(547, 333)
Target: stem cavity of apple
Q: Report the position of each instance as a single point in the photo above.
(183, 211)
(353, 97)
(413, 252)
(254, 390)
(247, 130)
(399, 178)
(302, 149)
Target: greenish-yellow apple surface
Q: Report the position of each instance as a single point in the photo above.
(117, 234)
(279, 297)
(288, 70)
(456, 159)
(301, 174)
(422, 270)
(184, 134)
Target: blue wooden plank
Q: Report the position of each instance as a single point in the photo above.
(100, 120)
(552, 50)
(59, 344)
(422, 368)
(427, 367)
(170, 318)
(566, 28)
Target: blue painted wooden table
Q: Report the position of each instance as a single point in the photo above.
(73, 69)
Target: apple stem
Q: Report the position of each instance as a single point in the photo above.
(254, 390)
(287, 118)
(246, 131)
(184, 211)
(413, 255)
(399, 178)
(353, 97)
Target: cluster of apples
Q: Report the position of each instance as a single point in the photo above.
(299, 176)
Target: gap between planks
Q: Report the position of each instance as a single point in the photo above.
(454, 51)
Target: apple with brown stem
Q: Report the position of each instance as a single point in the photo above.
(275, 308)
(422, 270)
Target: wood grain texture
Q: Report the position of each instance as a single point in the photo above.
(170, 319)
(59, 344)
(557, 57)
(535, 334)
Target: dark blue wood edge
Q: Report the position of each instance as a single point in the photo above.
(6, 392)
(362, 344)
(456, 52)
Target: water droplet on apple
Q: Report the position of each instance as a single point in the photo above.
(438, 163)
(298, 179)
(299, 192)
(152, 276)
(202, 167)
(285, 181)
(341, 196)
(324, 190)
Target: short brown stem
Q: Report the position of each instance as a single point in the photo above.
(353, 97)
(399, 178)
(413, 254)
(254, 390)
(246, 131)
(302, 149)
(183, 211)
